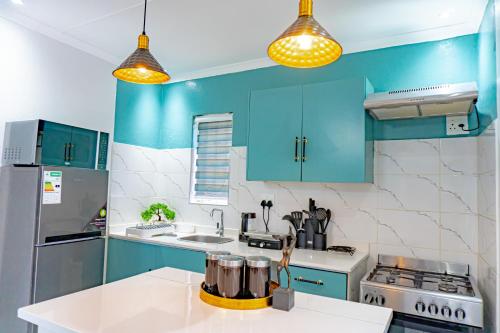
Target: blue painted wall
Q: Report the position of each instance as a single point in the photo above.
(138, 114)
(487, 103)
(172, 106)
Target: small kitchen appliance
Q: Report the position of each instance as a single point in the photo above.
(246, 219)
(428, 293)
(265, 241)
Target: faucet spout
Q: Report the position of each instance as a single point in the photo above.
(220, 225)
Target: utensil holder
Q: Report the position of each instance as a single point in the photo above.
(319, 242)
(301, 239)
(311, 226)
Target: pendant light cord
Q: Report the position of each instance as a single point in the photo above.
(144, 22)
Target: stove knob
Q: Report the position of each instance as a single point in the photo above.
(433, 309)
(460, 314)
(368, 298)
(420, 307)
(446, 312)
(261, 244)
(380, 300)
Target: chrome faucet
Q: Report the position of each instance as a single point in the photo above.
(220, 226)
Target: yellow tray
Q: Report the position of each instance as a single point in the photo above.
(237, 304)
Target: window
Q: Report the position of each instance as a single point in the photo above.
(212, 141)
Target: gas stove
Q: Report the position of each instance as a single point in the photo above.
(424, 288)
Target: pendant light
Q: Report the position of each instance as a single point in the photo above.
(141, 66)
(305, 44)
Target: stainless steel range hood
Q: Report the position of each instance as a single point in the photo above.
(442, 100)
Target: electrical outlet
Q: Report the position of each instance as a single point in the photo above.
(453, 125)
(267, 197)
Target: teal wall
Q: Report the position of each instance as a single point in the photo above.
(138, 114)
(161, 116)
(487, 103)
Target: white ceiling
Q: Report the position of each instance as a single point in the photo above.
(193, 38)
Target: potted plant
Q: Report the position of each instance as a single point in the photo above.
(158, 212)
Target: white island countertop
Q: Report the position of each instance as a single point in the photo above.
(330, 261)
(167, 300)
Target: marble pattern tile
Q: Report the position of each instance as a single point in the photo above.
(423, 203)
(488, 277)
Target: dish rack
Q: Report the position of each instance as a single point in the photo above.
(149, 230)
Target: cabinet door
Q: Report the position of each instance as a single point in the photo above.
(55, 139)
(334, 127)
(181, 259)
(275, 122)
(83, 148)
(127, 258)
(317, 282)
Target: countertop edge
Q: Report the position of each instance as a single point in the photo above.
(362, 259)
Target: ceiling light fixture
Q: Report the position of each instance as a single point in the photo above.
(17, 2)
(141, 66)
(305, 44)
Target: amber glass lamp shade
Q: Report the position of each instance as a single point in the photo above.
(305, 44)
(141, 66)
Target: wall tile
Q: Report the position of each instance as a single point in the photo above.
(409, 229)
(418, 207)
(458, 156)
(408, 192)
(407, 157)
(458, 193)
(459, 232)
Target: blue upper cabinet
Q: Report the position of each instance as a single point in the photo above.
(275, 129)
(65, 145)
(56, 139)
(335, 134)
(83, 148)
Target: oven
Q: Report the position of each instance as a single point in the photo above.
(404, 323)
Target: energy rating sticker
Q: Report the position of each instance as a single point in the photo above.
(52, 187)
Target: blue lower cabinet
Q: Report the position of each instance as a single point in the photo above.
(126, 259)
(188, 260)
(129, 258)
(317, 282)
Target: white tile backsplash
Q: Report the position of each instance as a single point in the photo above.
(488, 232)
(423, 203)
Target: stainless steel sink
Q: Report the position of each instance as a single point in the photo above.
(206, 239)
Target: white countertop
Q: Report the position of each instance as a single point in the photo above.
(167, 300)
(337, 262)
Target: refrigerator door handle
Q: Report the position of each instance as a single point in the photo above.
(68, 241)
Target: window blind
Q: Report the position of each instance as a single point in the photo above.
(212, 141)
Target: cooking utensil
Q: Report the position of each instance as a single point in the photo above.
(311, 215)
(321, 217)
(292, 221)
(328, 218)
(298, 216)
(311, 204)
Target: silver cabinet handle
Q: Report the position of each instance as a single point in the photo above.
(301, 279)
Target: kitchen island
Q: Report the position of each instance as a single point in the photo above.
(167, 300)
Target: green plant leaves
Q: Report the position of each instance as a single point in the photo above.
(158, 210)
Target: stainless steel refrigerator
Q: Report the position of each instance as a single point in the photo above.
(52, 223)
